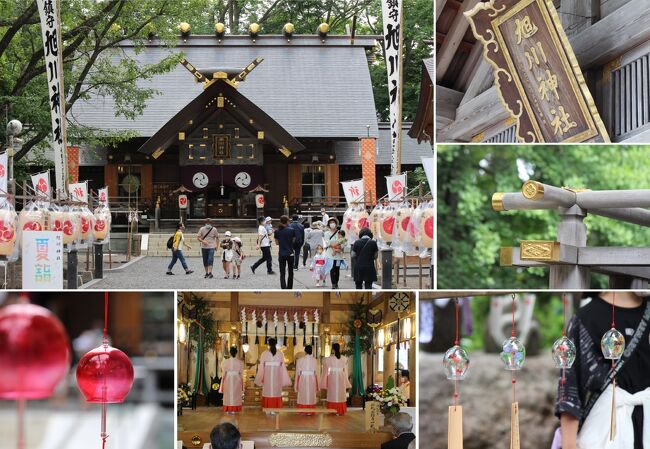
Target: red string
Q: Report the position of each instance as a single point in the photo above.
(613, 305)
(513, 314)
(456, 343)
(105, 313)
(564, 315)
(514, 378)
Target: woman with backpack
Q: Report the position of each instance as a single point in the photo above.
(176, 244)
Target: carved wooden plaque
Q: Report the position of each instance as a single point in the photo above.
(536, 73)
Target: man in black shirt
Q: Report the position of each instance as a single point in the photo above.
(300, 239)
(285, 238)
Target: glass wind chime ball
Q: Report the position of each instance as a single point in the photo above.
(612, 344)
(564, 352)
(34, 352)
(513, 354)
(105, 374)
(456, 363)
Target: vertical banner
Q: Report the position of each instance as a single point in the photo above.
(78, 191)
(429, 164)
(392, 17)
(396, 187)
(4, 177)
(102, 194)
(51, 33)
(353, 190)
(41, 184)
(42, 255)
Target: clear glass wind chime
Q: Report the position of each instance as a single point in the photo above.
(613, 346)
(456, 364)
(513, 356)
(564, 350)
(105, 375)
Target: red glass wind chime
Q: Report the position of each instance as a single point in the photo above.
(513, 356)
(105, 375)
(34, 356)
(456, 364)
(613, 346)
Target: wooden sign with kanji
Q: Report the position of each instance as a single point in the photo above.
(535, 70)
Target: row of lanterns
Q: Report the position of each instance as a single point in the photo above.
(406, 228)
(79, 225)
(254, 30)
(513, 355)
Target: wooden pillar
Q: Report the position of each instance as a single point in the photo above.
(413, 349)
(571, 231)
(332, 185)
(389, 363)
(234, 306)
(125, 321)
(327, 307)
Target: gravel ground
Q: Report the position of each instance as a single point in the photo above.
(149, 273)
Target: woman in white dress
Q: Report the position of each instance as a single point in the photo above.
(335, 380)
(232, 383)
(272, 376)
(306, 380)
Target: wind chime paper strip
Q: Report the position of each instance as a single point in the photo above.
(49, 13)
(536, 73)
(455, 429)
(514, 426)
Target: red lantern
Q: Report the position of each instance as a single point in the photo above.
(105, 374)
(34, 352)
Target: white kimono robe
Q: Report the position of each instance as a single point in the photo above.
(306, 381)
(335, 378)
(272, 375)
(232, 384)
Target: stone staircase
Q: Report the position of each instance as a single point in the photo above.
(158, 245)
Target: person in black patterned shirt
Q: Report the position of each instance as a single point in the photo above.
(584, 401)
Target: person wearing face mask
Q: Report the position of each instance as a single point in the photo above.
(272, 376)
(334, 251)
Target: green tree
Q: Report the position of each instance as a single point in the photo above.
(470, 233)
(93, 63)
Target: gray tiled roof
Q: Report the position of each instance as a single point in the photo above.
(347, 153)
(311, 89)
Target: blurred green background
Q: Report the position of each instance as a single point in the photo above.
(470, 233)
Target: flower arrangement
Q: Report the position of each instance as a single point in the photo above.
(389, 397)
(183, 394)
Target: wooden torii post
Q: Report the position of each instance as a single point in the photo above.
(570, 261)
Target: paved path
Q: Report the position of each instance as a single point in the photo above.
(149, 273)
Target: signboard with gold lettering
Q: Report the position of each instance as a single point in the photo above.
(536, 72)
(221, 146)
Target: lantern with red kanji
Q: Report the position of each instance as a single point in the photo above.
(8, 227)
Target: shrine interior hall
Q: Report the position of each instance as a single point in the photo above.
(331, 319)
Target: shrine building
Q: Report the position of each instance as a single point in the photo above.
(288, 116)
